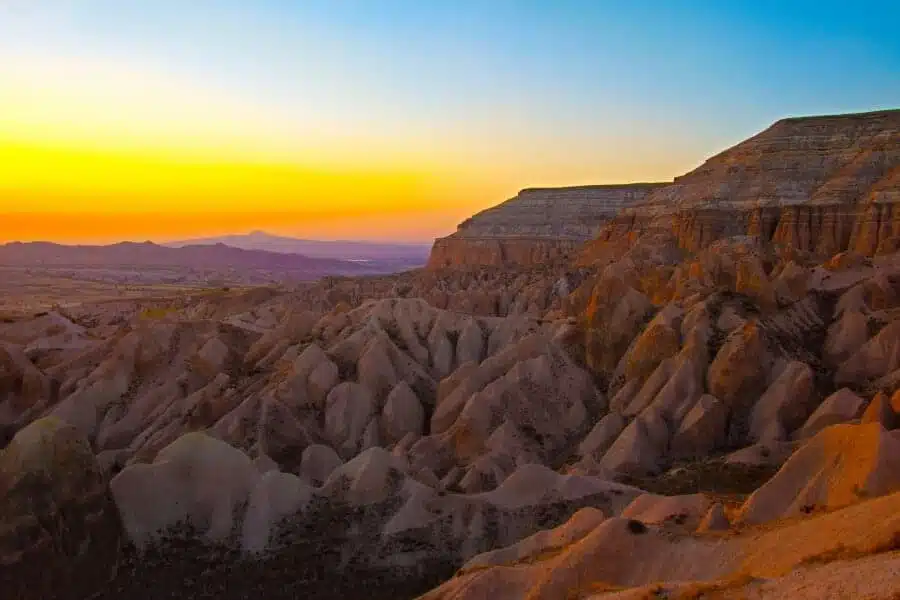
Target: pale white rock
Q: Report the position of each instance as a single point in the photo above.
(276, 496)
(197, 479)
(371, 477)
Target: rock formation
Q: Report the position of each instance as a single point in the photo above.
(818, 184)
(59, 529)
(672, 407)
(536, 226)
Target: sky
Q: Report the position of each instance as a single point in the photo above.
(393, 119)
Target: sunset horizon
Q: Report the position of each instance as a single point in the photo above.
(394, 122)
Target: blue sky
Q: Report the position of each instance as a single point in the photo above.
(715, 71)
(502, 93)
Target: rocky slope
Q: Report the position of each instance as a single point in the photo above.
(537, 226)
(440, 438)
(653, 421)
(818, 184)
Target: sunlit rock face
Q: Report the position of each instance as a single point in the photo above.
(820, 184)
(537, 226)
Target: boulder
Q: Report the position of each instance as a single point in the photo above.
(60, 533)
(197, 480)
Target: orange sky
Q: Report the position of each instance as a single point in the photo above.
(101, 147)
(100, 195)
(167, 119)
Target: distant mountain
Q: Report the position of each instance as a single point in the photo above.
(409, 255)
(211, 257)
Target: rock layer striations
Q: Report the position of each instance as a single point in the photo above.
(536, 226)
(821, 184)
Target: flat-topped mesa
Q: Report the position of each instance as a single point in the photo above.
(536, 226)
(821, 184)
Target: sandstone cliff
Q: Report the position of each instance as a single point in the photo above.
(821, 184)
(536, 226)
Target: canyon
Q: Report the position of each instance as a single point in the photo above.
(682, 390)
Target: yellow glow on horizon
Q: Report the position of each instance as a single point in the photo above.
(97, 150)
(94, 150)
(132, 182)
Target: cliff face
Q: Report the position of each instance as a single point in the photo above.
(819, 184)
(536, 226)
